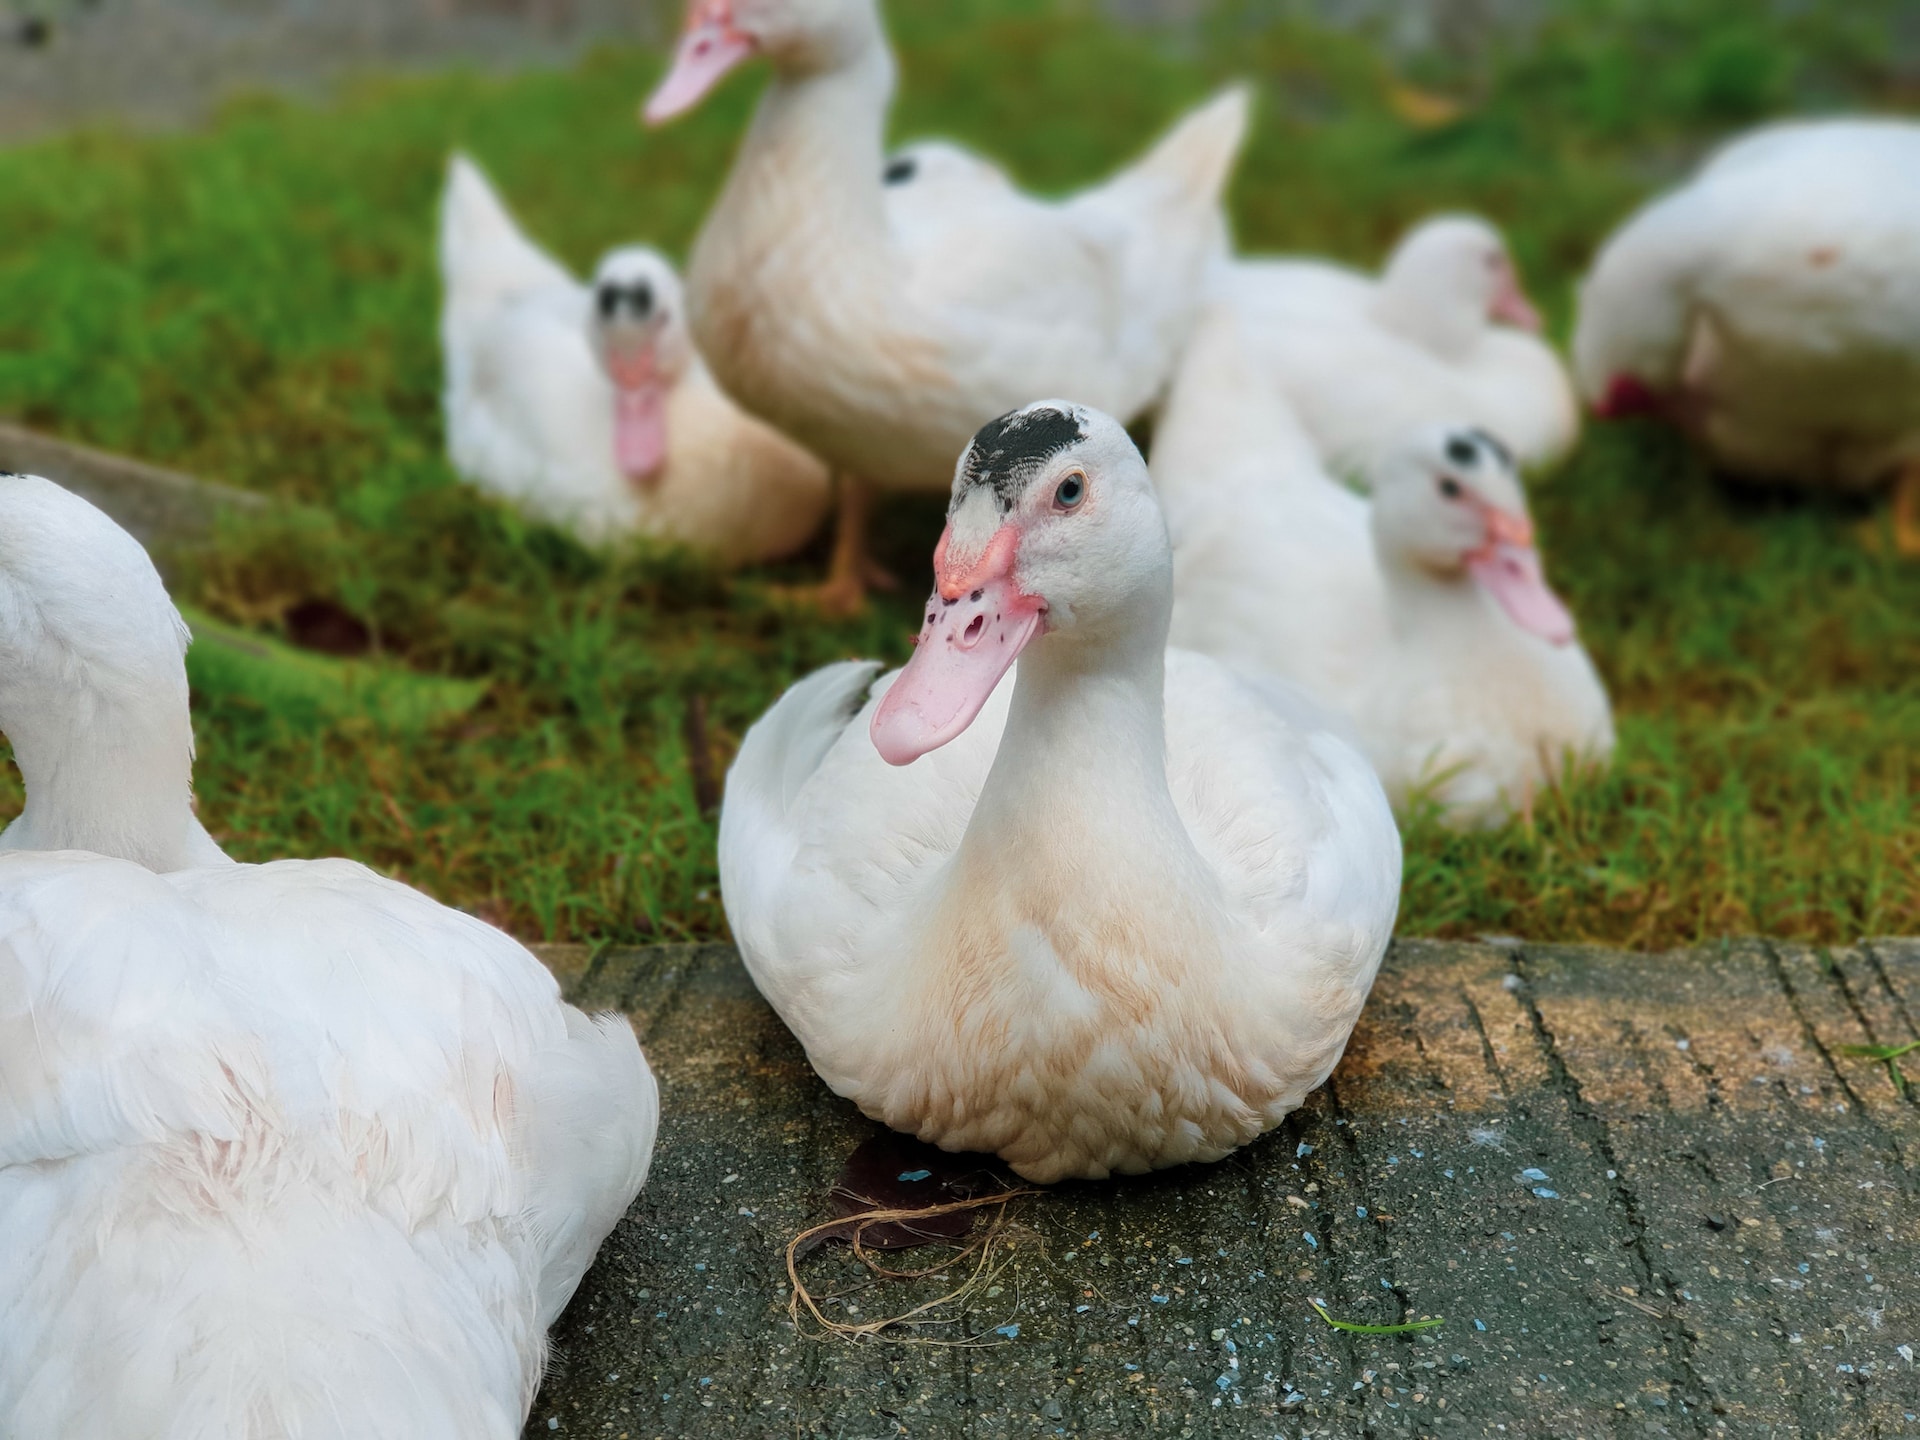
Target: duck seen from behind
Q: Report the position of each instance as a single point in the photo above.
(1423, 615)
(587, 405)
(880, 326)
(1771, 308)
(1121, 913)
(285, 1149)
(1446, 333)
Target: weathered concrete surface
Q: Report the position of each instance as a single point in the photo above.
(1719, 1236)
(164, 510)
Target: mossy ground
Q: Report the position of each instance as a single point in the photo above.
(256, 302)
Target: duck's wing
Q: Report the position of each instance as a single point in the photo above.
(822, 842)
(1292, 820)
(1097, 290)
(184, 1256)
(441, 1049)
(588, 1112)
(116, 1018)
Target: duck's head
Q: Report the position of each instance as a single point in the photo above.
(640, 335)
(1448, 501)
(797, 36)
(82, 610)
(1452, 276)
(1053, 530)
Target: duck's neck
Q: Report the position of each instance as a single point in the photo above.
(1077, 807)
(815, 149)
(1438, 612)
(108, 772)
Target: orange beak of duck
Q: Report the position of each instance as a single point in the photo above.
(709, 47)
(978, 620)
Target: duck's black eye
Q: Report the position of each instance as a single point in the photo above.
(1070, 492)
(608, 300)
(642, 294)
(900, 171)
(1449, 487)
(1462, 451)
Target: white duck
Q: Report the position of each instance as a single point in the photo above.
(1423, 616)
(1772, 307)
(1119, 914)
(587, 405)
(881, 335)
(285, 1149)
(1445, 334)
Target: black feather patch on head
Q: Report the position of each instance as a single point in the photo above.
(1494, 444)
(1007, 453)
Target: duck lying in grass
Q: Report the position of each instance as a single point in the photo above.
(1120, 913)
(285, 1149)
(880, 334)
(1771, 307)
(587, 406)
(1445, 334)
(1422, 615)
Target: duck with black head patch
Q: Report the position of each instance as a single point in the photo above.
(1423, 615)
(1108, 908)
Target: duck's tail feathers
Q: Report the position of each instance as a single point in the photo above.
(484, 256)
(1193, 161)
(1163, 227)
(589, 1111)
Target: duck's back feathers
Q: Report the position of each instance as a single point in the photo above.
(1775, 298)
(1357, 384)
(484, 256)
(270, 1172)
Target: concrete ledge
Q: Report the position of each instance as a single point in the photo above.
(163, 509)
(1650, 1194)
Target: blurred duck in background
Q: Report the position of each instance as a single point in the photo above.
(285, 1149)
(1444, 334)
(587, 405)
(1771, 308)
(881, 331)
(1423, 615)
(1118, 914)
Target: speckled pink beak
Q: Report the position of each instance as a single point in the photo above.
(977, 623)
(1508, 568)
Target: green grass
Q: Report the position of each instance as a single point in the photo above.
(256, 302)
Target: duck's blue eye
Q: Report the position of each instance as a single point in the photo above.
(1071, 492)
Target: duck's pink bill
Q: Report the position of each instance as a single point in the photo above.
(965, 647)
(1512, 307)
(1512, 575)
(707, 51)
(640, 431)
